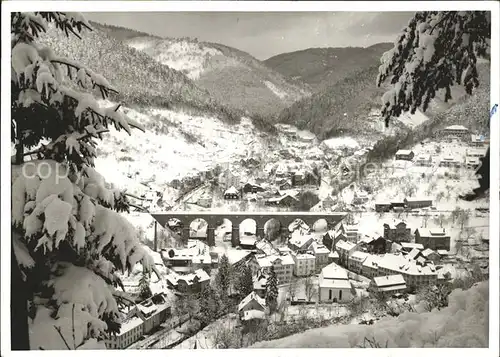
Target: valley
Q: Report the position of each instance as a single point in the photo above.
(259, 202)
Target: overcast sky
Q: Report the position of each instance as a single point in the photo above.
(266, 34)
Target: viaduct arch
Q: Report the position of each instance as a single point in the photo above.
(260, 218)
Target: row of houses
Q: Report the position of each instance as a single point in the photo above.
(139, 320)
(407, 204)
(470, 161)
(395, 231)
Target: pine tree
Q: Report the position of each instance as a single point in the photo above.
(209, 305)
(272, 290)
(223, 277)
(245, 281)
(144, 288)
(437, 50)
(67, 235)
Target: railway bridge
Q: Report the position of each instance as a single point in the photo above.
(215, 219)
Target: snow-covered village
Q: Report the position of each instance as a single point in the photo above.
(172, 190)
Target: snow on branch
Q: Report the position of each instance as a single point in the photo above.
(436, 50)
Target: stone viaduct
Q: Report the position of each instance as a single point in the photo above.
(215, 219)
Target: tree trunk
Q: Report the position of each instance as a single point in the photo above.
(19, 333)
(19, 145)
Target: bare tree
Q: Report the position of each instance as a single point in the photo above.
(464, 217)
(292, 290)
(440, 195)
(459, 247)
(310, 288)
(455, 214)
(425, 219)
(440, 219)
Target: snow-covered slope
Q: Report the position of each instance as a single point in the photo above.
(464, 323)
(174, 146)
(232, 76)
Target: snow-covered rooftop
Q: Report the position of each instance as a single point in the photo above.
(269, 260)
(418, 199)
(129, 325)
(343, 245)
(433, 232)
(389, 280)
(408, 245)
(299, 240)
(427, 252)
(231, 191)
(236, 255)
(399, 263)
(252, 296)
(318, 248)
(371, 261)
(333, 254)
(414, 253)
(359, 256)
(334, 271)
(456, 127)
(403, 152)
(305, 256)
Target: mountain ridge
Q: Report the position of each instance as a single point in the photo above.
(322, 67)
(140, 80)
(233, 77)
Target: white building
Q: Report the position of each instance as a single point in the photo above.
(458, 131)
(305, 264)
(283, 266)
(186, 260)
(356, 260)
(300, 242)
(345, 249)
(413, 273)
(321, 253)
(351, 232)
(139, 320)
(252, 306)
(477, 141)
(476, 152)
(472, 163)
(334, 284)
(389, 284)
(370, 266)
(450, 160)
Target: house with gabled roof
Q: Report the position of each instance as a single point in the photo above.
(231, 194)
(345, 250)
(405, 155)
(413, 273)
(388, 285)
(369, 268)
(321, 253)
(433, 238)
(397, 231)
(356, 260)
(251, 306)
(300, 242)
(334, 284)
(431, 255)
(458, 131)
(418, 202)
